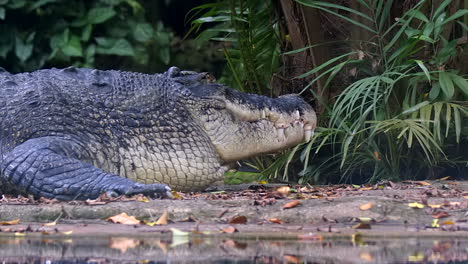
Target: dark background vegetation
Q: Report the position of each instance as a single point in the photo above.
(387, 78)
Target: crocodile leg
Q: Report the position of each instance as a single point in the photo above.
(55, 167)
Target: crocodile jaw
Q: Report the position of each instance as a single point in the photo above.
(242, 130)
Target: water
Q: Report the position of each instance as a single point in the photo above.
(209, 249)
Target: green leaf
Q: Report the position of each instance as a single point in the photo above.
(456, 15)
(99, 15)
(417, 14)
(165, 55)
(446, 84)
(415, 108)
(2, 13)
(120, 47)
(441, 8)
(86, 33)
(16, 4)
(424, 68)
(40, 3)
(23, 50)
(457, 119)
(143, 32)
(460, 82)
(73, 47)
(435, 91)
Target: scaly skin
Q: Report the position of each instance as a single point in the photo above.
(76, 133)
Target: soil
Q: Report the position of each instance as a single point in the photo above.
(423, 208)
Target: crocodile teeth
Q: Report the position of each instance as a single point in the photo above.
(297, 114)
(281, 134)
(308, 134)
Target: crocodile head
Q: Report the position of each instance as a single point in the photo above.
(242, 125)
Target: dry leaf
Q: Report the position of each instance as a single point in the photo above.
(291, 204)
(435, 205)
(292, 259)
(229, 230)
(163, 219)
(67, 232)
(448, 222)
(422, 183)
(366, 188)
(19, 234)
(238, 220)
(124, 218)
(444, 178)
(50, 224)
(377, 155)
(275, 220)
(366, 206)
(11, 222)
(416, 205)
(366, 256)
(143, 199)
(285, 190)
(440, 214)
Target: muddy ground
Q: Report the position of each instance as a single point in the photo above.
(386, 209)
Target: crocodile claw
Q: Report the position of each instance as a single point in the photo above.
(155, 190)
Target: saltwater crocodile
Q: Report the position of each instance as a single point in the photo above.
(75, 133)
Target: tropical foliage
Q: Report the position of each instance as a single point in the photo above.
(402, 116)
(251, 37)
(83, 33)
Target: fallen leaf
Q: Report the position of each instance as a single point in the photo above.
(466, 196)
(416, 205)
(424, 183)
(177, 232)
(238, 220)
(440, 214)
(124, 218)
(291, 204)
(163, 219)
(179, 237)
(67, 232)
(366, 188)
(448, 222)
(229, 230)
(285, 190)
(416, 257)
(50, 224)
(435, 205)
(366, 256)
(11, 222)
(292, 259)
(275, 220)
(143, 199)
(175, 195)
(444, 178)
(19, 234)
(262, 182)
(366, 206)
(435, 223)
(365, 220)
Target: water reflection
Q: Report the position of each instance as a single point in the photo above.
(202, 249)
